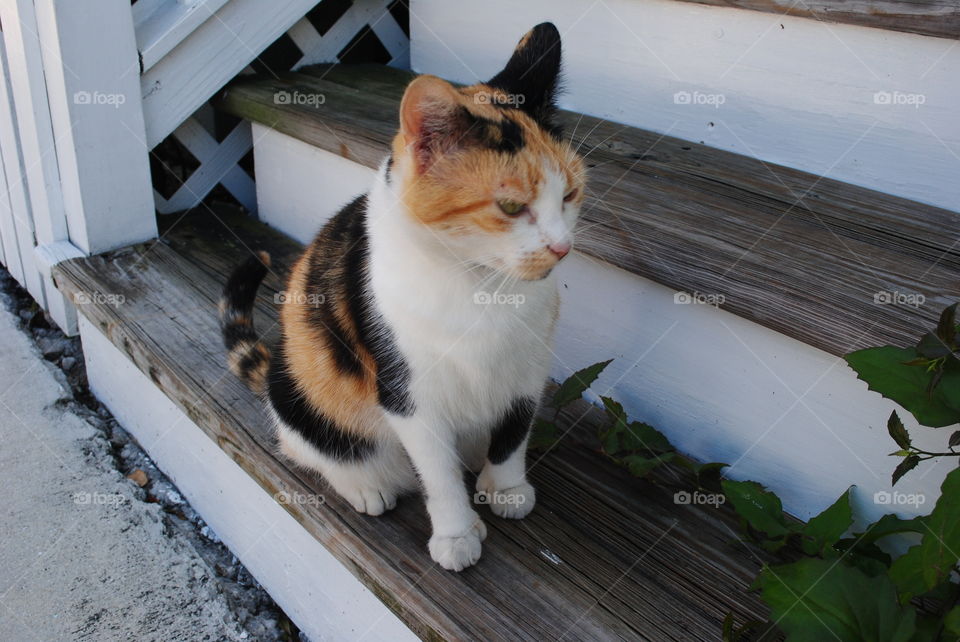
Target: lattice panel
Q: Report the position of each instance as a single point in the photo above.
(334, 31)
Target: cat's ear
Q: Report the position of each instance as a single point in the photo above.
(532, 74)
(432, 118)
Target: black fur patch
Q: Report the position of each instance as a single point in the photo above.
(513, 427)
(239, 295)
(393, 372)
(321, 316)
(344, 252)
(534, 72)
(296, 412)
(252, 360)
(502, 136)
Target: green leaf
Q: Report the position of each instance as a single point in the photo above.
(898, 431)
(952, 621)
(815, 600)
(544, 435)
(574, 387)
(708, 475)
(947, 326)
(758, 506)
(905, 466)
(640, 466)
(907, 573)
(826, 528)
(931, 346)
(884, 371)
(632, 436)
(887, 525)
(929, 563)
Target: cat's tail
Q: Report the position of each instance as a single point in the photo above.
(247, 356)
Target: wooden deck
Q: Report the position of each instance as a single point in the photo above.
(603, 555)
(798, 253)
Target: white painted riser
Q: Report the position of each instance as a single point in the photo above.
(720, 387)
(311, 586)
(798, 92)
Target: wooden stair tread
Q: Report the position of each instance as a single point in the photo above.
(603, 556)
(798, 253)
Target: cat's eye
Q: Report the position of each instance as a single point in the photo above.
(569, 196)
(512, 208)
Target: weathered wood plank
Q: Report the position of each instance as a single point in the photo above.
(940, 18)
(604, 555)
(801, 254)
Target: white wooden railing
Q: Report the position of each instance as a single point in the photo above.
(88, 89)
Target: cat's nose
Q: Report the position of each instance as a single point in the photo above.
(560, 249)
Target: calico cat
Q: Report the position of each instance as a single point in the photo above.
(415, 337)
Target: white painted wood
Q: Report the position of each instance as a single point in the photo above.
(722, 388)
(796, 92)
(8, 232)
(204, 61)
(20, 226)
(394, 39)
(35, 130)
(299, 186)
(218, 164)
(47, 256)
(197, 139)
(93, 92)
(167, 24)
(326, 48)
(308, 583)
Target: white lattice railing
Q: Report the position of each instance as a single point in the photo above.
(88, 89)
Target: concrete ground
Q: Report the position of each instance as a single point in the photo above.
(85, 552)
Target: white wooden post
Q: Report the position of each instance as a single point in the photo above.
(36, 152)
(93, 83)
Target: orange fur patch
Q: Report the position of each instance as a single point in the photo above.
(349, 401)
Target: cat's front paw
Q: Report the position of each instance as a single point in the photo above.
(512, 503)
(459, 552)
(371, 501)
(515, 502)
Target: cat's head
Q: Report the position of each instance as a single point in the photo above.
(485, 169)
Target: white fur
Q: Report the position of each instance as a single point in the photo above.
(475, 339)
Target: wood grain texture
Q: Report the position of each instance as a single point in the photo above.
(801, 254)
(940, 18)
(603, 556)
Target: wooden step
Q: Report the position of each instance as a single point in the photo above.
(798, 253)
(603, 556)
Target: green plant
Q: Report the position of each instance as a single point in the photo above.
(832, 585)
(849, 588)
(924, 380)
(636, 446)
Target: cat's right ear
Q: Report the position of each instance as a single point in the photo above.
(431, 118)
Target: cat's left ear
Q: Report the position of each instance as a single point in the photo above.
(532, 74)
